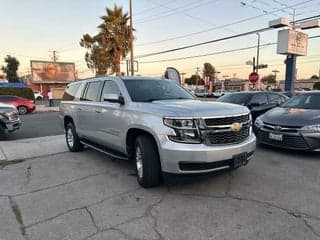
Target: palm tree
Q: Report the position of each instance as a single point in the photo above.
(110, 45)
(115, 35)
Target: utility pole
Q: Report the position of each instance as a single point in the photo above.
(197, 76)
(258, 52)
(54, 55)
(257, 65)
(131, 41)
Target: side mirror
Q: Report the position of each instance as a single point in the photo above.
(110, 97)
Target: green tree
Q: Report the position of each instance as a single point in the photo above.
(269, 79)
(11, 68)
(110, 45)
(209, 71)
(193, 80)
(314, 77)
(316, 86)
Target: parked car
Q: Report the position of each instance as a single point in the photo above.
(9, 119)
(293, 125)
(258, 102)
(23, 105)
(38, 95)
(219, 93)
(202, 93)
(157, 124)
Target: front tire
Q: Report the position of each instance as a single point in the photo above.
(147, 160)
(22, 110)
(72, 139)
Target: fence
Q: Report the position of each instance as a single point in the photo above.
(15, 85)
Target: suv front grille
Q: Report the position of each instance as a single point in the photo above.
(226, 120)
(228, 137)
(219, 130)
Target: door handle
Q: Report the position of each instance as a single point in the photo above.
(79, 109)
(98, 111)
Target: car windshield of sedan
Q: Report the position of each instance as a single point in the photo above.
(148, 90)
(305, 101)
(236, 98)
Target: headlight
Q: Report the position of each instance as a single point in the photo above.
(10, 116)
(311, 128)
(186, 130)
(258, 123)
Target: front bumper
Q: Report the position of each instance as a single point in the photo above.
(14, 125)
(294, 140)
(199, 158)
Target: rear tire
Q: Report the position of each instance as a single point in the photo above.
(72, 139)
(22, 110)
(147, 160)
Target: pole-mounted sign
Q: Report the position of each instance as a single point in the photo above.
(253, 77)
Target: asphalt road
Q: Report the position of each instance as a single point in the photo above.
(38, 125)
(55, 194)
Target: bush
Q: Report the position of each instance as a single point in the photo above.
(316, 86)
(20, 92)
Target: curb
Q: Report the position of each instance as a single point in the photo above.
(44, 108)
(32, 147)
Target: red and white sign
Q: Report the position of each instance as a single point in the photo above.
(253, 77)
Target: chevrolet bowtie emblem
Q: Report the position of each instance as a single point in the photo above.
(236, 127)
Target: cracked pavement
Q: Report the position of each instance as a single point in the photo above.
(87, 195)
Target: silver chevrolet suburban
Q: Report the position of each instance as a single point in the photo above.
(156, 123)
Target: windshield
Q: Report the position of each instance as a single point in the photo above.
(236, 98)
(148, 90)
(306, 101)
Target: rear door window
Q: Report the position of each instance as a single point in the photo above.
(93, 91)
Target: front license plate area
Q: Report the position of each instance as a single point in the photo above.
(239, 160)
(276, 137)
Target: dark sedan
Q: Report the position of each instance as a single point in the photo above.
(258, 102)
(293, 125)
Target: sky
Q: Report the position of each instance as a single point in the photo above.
(31, 29)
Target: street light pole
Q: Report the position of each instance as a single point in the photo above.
(131, 41)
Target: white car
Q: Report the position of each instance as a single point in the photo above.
(218, 93)
(38, 95)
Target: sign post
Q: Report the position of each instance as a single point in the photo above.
(291, 43)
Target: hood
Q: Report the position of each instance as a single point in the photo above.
(291, 116)
(7, 106)
(192, 108)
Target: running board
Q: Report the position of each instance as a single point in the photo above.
(104, 150)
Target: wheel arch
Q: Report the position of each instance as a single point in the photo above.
(67, 120)
(131, 136)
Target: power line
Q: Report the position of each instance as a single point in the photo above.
(221, 26)
(208, 42)
(208, 54)
(174, 11)
(149, 9)
(216, 53)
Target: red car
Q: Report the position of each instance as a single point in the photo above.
(23, 105)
